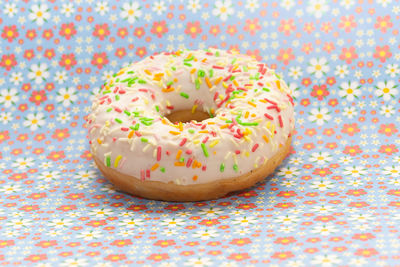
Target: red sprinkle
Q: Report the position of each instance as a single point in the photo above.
(143, 90)
(216, 95)
(148, 173)
(125, 129)
(260, 84)
(135, 99)
(158, 153)
(205, 139)
(270, 101)
(274, 107)
(183, 141)
(118, 110)
(227, 78)
(268, 116)
(121, 92)
(204, 168)
(142, 175)
(189, 152)
(280, 121)
(170, 107)
(217, 67)
(254, 148)
(138, 134)
(189, 162)
(237, 152)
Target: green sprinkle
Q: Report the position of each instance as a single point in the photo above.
(217, 54)
(125, 80)
(191, 131)
(131, 127)
(232, 78)
(109, 109)
(127, 112)
(211, 73)
(245, 69)
(116, 97)
(266, 89)
(118, 120)
(137, 125)
(257, 77)
(146, 121)
(136, 113)
(162, 169)
(182, 159)
(189, 59)
(173, 68)
(205, 151)
(144, 140)
(108, 161)
(117, 80)
(222, 167)
(114, 75)
(233, 61)
(130, 72)
(141, 81)
(277, 76)
(197, 83)
(184, 95)
(158, 108)
(201, 73)
(106, 92)
(187, 64)
(170, 83)
(245, 123)
(235, 167)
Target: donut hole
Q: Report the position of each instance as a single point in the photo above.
(187, 116)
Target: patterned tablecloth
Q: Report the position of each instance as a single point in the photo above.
(334, 201)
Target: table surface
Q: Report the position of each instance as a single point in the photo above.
(334, 200)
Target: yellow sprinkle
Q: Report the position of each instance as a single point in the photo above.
(221, 97)
(247, 153)
(278, 84)
(213, 143)
(265, 139)
(246, 115)
(216, 82)
(194, 108)
(196, 141)
(247, 138)
(99, 141)
(203, 131)
(167, 90)
(180, 126)
(155, 166)
(147, 72)
(117, 159)
(178, 154)
(235, 83)
(192, 71)
(263, 101)
(168, 72)
(224, 126)
(251, 103)
(224, 85)
(174, 133)
(208, 82)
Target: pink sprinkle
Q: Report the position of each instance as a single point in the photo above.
(280, 121)
(167, 152)
(143, 90)
(290, 99)
(116, 89)
(205, 139)
(118, 110)
(189, 152)
(263, 71)
(125, 129)
(142, 175)
(183, 141)
(121, 92)
(103, 97)
(109, 100)
(158, 153)
(114, 139)
(254, 148)
(138, 134)
(153, 97)
(217, 67)
(148, 173)
(189, 162)
(135, 99)
(204, 168)
(237, 152)
(268, 116)
(102, 102)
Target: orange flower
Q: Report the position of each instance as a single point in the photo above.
(283, 255)
(383, 23)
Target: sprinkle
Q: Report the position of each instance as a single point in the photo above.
(217, 67)
(194, 177)
(271, 102)
(131, 133)
(184, 95)
(204, 148)
(251, 103)
(254, 148)
(280, 121)
(118, 109)
(158, 153)
(197, 84)
(168, 89)
(191, 130)
(124, 129)
(189, 162)
(265, 138)
(135, 99)
(108, 161)
(235, 167)
(178, 154)
(213, 143)
(194, 108)
(211, 73)
(179, 164)
(142, 175)
(187, 64)
(208, 82)
(189, 152)
(118, 120)
(142, 81)
(157, 108)
(162, 169)
(182, 159)
(127, 112)
(174, 133)
(117, 159)
(144, 140)
(155, 166)
(201, 73)
(222, 167)
(218, 80)
(183, 141)
(205, 139)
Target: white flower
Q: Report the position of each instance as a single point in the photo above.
(85, 175)
(131, 12)
(102, 212)
(66, 96)
(347, 3)
(392, 70)
(34, 121)
(342, 71)
(324, 229)
(384, 3)
(47, 176)
(318, 67)
(355, 183)
(349, 112)
(361, 217)
(19, 223)
(102, 7)
(46, 165)
(320, 157)
(194, 5)
(395, 181)
(326, 260)
(60, 223)
(296, 160)
(286, 219)
(38, 73)
(10, 188)
(354, 171)
(223, 9)
(288, 172)
(244, 221)
(74, 262)
(210, 211)
(159, 7)
(60, 76)
(319, 115)
(387, 110)
(346, 159)
(90, 235)
(393, 171)
(288, 183)
(67, 9)
(39, 13)
(317, 7)
(63, 117)
(358, 261)
(10, 9)
(350, 90)
(386, 89)
(205, 234)
(323, 209)
(169, 232)
(22, 163)
(252, 5)
(5, 117)
(295, 72)
(199, 262)
(294, 89)
(173, 222)
(16, 78)
(322, 185)
(286, 229)
(8, 97)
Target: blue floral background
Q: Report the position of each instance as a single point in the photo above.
(333, 202)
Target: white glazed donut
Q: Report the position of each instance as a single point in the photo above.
(245, 135)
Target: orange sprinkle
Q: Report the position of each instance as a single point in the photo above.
(265, 138)
(194, 177)
(217, 80)
(278, 83)
(235, 83)
(208, 82)
(160, 74)
(192, 71)
(246, 115)
(251, 103)
(157, 78)
(224, 126)
(99, 141)
(179, 164)
(147, 72)
(180, 126)
(131, 134)
(210, 122)
(174, 133)
(203, 131)
(178, 154)
(167, 90)
(204, 60)
(263, 101)
(155, 166)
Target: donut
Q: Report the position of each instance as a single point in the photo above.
(191, 125)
